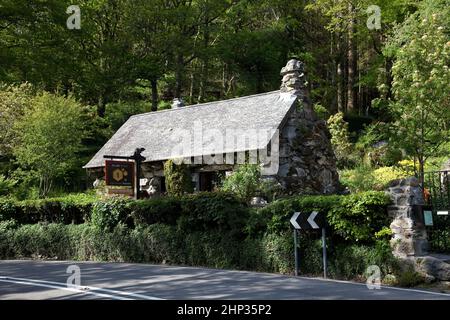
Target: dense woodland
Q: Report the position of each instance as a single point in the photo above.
(383, 90)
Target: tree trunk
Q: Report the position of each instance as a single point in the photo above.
(45, 185)
(178, 76)
(101, 106)
(191, 87)
(339, 80)
(204, 69)
(421, 171)
(224, 80)
(154, 84)
(351, 64)
(203, 79)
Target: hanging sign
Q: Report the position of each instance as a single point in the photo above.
(119, 173)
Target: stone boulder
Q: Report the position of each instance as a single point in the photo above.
(434, 267)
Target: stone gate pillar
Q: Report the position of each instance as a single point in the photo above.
(408, 228)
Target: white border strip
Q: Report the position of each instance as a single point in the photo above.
(114, 294)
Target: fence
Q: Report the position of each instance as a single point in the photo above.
(437, 198)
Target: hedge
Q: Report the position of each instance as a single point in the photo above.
(200, 211)
(204, 229)
(159, 243)
(69, 209)
(354, 217)
(195, 212)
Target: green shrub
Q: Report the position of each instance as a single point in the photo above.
(178, 178)
(365, 178)
(6, 185)
(201, 211)
(159, 243)
(69, 209)
(212, 210)
(355, 217)
(107, 214)
(409, 278)
(340, 140)
(358, 217)
(159, 210)
(245, 182)
(351, 261)
(359, 179)
(278, 252)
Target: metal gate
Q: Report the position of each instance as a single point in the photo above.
(437, 210)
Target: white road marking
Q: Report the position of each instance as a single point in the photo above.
(114, 294)
(62, 288)
(382, 287)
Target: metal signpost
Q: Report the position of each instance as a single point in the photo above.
(117, 176)
(312, 221)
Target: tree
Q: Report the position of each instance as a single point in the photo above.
(14, 101)
(48, 138)
(421, 78)
(178, 178)
(245, 182)
(340, 139)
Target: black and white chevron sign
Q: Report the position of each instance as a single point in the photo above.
(302, 221)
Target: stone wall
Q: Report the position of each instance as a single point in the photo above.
(408, 228)
(409, 241)
(307, 160)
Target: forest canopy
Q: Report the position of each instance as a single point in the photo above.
(378, 68)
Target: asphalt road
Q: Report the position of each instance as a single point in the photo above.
(39, 280)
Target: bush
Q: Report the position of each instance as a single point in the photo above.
(409, 278)
(364, 178)
(340, 140)
(274, 218)
(69, 209)
(213, 211)
(201, 211)
(6, 185)
(351, 261)
(373, 144)
(159, 210)
(359, 179)
(107, 214)
(159, 243)
(245, 182)
(358, 217)
(355, 217)
(48, 141)
(178, 179)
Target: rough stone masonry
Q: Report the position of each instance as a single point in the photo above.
(307, 160)
(409, 237)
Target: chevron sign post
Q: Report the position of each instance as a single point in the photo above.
(309, 221)
(306, 221)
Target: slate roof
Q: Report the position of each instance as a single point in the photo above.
(160, 133)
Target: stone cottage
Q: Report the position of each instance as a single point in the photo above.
(279, 130)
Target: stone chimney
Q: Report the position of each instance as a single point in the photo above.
(293, 78)
(177, 103)
(307, 161)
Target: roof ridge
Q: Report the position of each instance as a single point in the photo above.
(203, 104)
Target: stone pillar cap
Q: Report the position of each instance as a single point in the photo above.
(293, 65)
